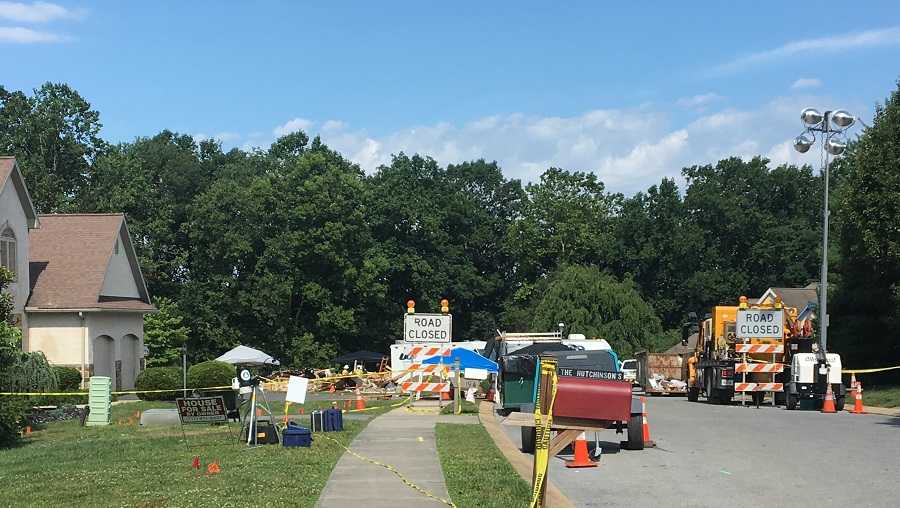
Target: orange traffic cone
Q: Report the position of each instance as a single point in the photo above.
(331, 389)
(360, 403)
(858, 408)
(300, 410)
(445, 395)
(648, 443)
(582, 459)
(828, 403)
(28, 430)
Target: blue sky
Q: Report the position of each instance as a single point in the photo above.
(631, 93)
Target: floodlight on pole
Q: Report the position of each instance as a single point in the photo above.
(831, 125)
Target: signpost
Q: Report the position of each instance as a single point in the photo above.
(428, 328)
(760, 324)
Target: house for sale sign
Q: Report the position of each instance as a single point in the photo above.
(428, 328)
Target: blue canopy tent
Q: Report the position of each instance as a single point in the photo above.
(468, 359)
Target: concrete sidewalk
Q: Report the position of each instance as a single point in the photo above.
(404, 439)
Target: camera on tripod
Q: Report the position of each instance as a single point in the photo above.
(246, 378)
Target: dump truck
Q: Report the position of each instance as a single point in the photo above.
(661, 373)
(749, 349)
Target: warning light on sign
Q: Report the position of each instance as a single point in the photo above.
(410, 306)
(743, 302)
(445, 306)
(777, 301)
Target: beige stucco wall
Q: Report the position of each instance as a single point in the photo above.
(119, 280)
(12, 213)
(60, 336)
(118, 326)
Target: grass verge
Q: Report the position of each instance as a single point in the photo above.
(467, 408)
(477, 474)
(881, 396)
(124, 464)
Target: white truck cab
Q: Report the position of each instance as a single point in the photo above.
(629, 369)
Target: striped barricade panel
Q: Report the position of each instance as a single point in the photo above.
(417, 351)
(759, 367)
(759, 348)
(758, 387)
(413, 386)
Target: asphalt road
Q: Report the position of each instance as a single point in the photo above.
(734, 456)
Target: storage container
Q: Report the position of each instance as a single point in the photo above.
(317, 421)
(334, 420)
(295, 435)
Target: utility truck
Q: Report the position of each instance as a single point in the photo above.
(755, 349)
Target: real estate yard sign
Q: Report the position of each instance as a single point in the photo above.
(202, 410)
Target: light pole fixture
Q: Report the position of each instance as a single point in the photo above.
(831, 125)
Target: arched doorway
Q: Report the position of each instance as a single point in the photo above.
(104, 356)
(128, 349)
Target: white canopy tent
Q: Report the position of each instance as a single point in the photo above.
(243, 355)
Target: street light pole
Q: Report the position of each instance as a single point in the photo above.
(831, 124)
(823, 290)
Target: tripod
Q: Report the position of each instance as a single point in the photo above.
(258, 402)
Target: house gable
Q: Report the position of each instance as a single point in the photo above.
(123, 278)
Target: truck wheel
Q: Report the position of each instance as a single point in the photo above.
(529, 436)
(791, 402)
(636, 432)
(693, 394)
(839, 403)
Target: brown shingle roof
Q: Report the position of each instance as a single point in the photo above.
(6, 167)
(68, 258)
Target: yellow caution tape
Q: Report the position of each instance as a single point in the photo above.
(129, 392)
(868, 371)
(392, 469)
(542, 429)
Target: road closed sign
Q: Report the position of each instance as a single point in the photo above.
(427, 328)
(760, 324)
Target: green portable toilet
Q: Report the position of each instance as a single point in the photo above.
(99, 401)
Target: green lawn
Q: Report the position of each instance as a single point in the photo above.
(477, 474)
(126, 465)
(467, 408)
(881, 396)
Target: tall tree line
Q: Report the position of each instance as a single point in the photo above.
(294, 249)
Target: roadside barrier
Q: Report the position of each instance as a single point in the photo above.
(828, 403)
(645, 430)
(582, 458)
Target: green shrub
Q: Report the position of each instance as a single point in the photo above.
(159, 378)
(69, 379)
(211, 373)
(12, 419)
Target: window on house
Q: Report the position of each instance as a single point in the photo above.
(8, 250)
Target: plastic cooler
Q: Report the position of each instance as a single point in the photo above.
(295, 435)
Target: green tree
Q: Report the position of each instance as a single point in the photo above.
(54, 135)
(164, 333)
(865, 311)
(597, 305)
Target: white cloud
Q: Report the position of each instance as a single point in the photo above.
(37, 12)
(629, 149)
(806, 83)
(222, 137)
(332, 125)
(855, 40)
(22, 35)
(293, 125)
(698, 101)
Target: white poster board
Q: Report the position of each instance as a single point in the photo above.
(479, 374)
(296, 391)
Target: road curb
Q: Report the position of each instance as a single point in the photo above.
(875, 410)
(521, 462)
